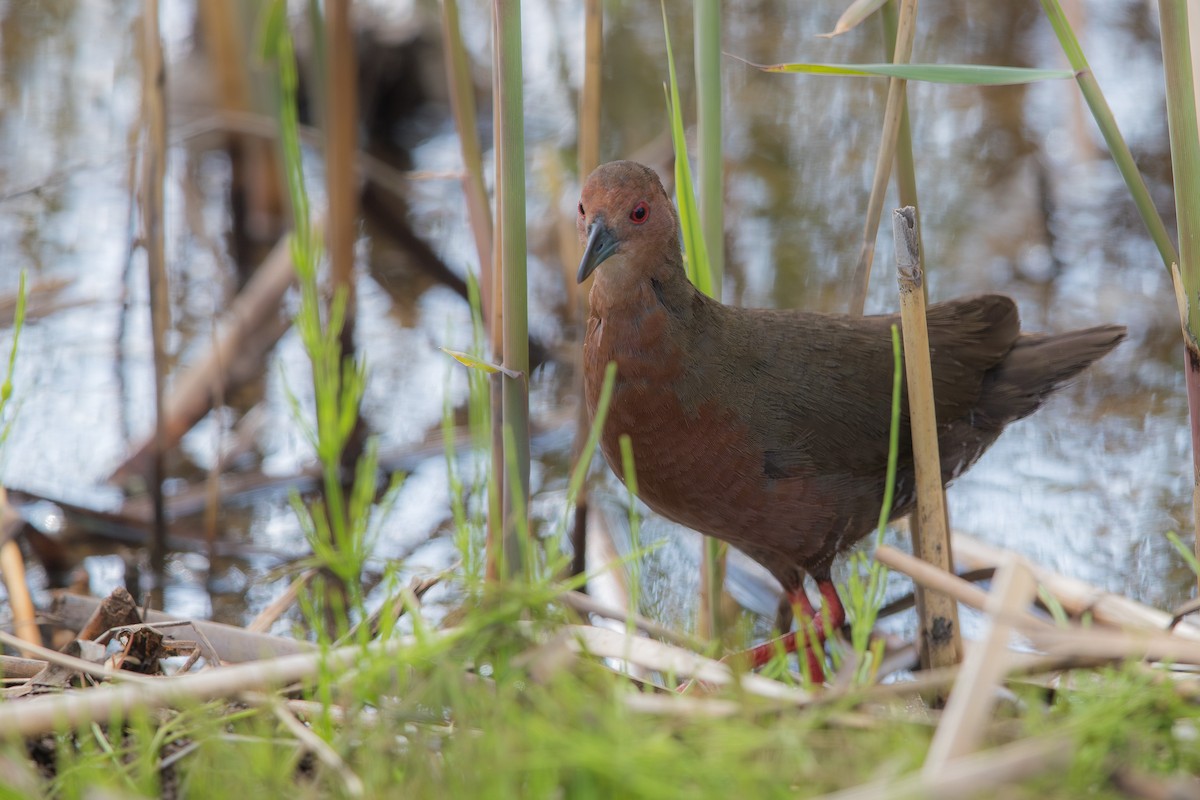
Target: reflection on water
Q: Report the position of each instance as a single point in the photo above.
(1017, 196)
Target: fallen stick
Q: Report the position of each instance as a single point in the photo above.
(947, 583)
(231, 643)
(654, 655)
(1078, 597)
(970, 705)
(115, 611)
(14, 668)
(46, 713)
(984, 772)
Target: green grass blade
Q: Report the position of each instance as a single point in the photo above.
(963, 74)
(694, 250)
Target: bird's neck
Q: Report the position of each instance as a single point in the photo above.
(648, 285)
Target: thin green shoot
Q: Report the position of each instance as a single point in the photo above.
(6, 389)
(1057, 612)
(629, 468)
(579, 474)
(338, 526)
(694, 249)
(864, 597)
(1185, 552)
(957, 74)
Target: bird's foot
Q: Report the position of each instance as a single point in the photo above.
(814, 653)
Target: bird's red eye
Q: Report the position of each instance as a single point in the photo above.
(640, 212)
(581, 209)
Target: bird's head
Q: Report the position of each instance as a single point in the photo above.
(624, 211)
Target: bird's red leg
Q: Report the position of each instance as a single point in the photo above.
(835, 613)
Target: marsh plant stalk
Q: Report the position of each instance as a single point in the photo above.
(511, 165)
(1185, 170)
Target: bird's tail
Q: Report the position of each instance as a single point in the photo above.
(1039, 364)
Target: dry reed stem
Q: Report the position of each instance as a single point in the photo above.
(20, 669)
(314, 744)
(585, 604)
(1078, 597)
(654, 655)
(962, 725)
(24, 617)
(1127, 645)
(462, 107)
(150, 202)
(941, 637)
(46, 713)
(231, 643)
(267, 617)
(896, 99)
(688, 707)
(71, 662)
(947, 583)
(1182, 306)
(986, 772)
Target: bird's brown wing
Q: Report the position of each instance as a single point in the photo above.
(816, 389)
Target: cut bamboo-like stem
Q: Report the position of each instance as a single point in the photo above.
(941, 642)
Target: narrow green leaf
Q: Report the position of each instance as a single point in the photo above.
(964, 74)
(474, 362)
(593, 439)
(694, 250)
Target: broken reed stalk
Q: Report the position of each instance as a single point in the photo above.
(906, 171)
(963, 721)
(154, 164)
(1185, 171)
(896, 101)
(941, 639)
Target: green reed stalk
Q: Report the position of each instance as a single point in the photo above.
(1108, 129)
(707, 16)
(511, 166)
(1185, 170)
